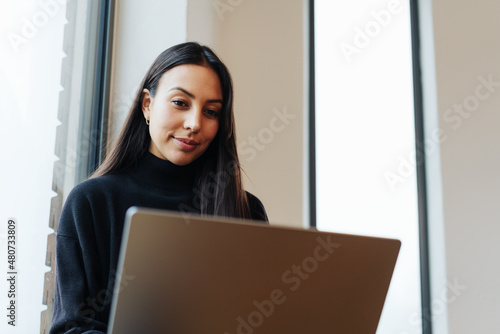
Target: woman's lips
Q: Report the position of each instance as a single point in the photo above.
(186, 144)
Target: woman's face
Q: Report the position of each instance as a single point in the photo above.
(184, 113)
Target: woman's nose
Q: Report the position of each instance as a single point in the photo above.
(193, 120)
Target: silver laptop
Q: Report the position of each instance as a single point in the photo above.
(181, 273)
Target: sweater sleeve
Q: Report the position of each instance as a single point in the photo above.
(79, 296)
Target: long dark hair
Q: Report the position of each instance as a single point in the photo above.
(219, 181)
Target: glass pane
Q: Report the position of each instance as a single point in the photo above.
(31, 56)
(366, 180)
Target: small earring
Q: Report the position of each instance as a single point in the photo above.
(147, 121)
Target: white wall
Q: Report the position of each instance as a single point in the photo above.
(203, 23)
(467, 53)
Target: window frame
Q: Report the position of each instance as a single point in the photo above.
(92, 120)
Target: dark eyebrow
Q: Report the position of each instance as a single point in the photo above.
(192, 96)
(182, 90)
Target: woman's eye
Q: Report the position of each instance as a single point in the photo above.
(179, 103)
(212, 113)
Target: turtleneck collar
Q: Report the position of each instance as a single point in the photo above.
(166, 175)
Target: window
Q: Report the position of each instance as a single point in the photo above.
(365, 138)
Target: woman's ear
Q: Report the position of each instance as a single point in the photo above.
(146, 103)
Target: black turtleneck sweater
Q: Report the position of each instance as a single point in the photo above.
(90, 232)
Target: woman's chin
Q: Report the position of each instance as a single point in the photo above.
(182, 160)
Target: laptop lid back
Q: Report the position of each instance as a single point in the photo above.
(187, 274)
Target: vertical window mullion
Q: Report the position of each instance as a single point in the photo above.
(99, 119)
(421, 175)
(312, 118)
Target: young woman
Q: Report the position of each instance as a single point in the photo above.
(177, 151)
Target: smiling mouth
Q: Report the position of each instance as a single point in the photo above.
(186, 144)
